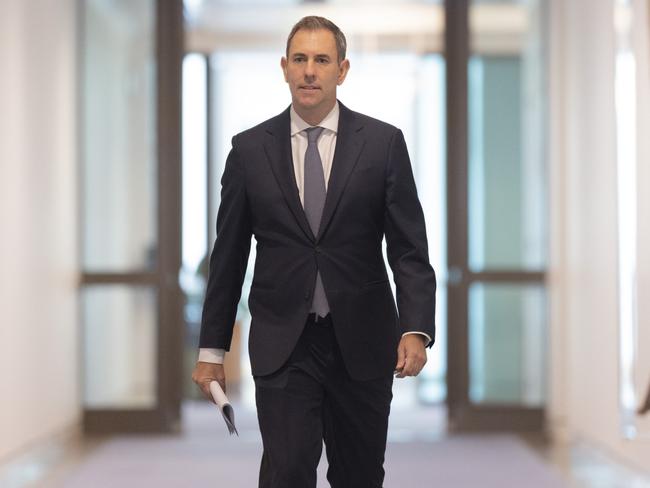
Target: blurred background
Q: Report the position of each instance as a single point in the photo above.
(524, 121)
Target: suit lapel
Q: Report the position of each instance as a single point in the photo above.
(349, 143)
(278, 151)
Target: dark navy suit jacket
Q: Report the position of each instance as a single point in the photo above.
(371, 194)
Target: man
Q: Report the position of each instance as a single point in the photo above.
(320, 186)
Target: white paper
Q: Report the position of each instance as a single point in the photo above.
(222, 402)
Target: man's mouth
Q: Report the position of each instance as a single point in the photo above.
(309, 87)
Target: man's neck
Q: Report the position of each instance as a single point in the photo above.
(316, 116)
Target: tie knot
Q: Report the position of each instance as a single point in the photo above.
(313, 133)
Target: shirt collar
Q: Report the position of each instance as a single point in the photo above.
(330, 122)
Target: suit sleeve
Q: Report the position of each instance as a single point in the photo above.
(229, 258)
(406, 243)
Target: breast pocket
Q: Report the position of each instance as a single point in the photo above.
(368, 166)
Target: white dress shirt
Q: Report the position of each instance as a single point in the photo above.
(326, 146)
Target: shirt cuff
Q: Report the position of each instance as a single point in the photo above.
(421, 333)
(209, 355)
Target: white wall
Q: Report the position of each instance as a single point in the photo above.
(584, 361)
(641, 39)
(38, 226)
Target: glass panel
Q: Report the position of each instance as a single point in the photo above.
(507, 219)
(507, 344)
(120, 346)
(119, 133)
(194, 271)
(634, 361)
(195, 199)
(428, 160)
(505, 196)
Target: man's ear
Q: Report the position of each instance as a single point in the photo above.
(344, 67)
(283, 63)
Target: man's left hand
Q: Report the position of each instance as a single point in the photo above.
(411, 355)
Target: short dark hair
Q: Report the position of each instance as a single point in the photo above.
(312, 22)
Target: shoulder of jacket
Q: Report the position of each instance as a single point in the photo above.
(256, 133)
(378, 126)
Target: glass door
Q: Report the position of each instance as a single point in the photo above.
(130, 200)
(496, 216)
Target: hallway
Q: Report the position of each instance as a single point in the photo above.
(205, 455)
(417, 457)
(524, 128)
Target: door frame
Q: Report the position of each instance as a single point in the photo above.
(463, 415)
(165, 416)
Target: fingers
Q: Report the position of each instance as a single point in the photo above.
(205, 389)
(412, 363)
(412, 367)
(205, 373)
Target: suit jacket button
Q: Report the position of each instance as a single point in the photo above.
(307, 295)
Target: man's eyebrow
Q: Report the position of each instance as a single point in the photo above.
(315, 55)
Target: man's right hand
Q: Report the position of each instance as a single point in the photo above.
(204, 373)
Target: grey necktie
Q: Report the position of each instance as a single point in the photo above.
(314, 201)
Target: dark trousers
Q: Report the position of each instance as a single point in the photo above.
(312, 399)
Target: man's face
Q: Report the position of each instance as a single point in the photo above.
(313, 71)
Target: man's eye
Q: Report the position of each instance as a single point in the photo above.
(322, 60)
(298, 60)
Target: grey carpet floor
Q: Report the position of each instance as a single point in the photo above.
(419, 455)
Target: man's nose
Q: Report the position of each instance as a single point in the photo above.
(309, 69)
